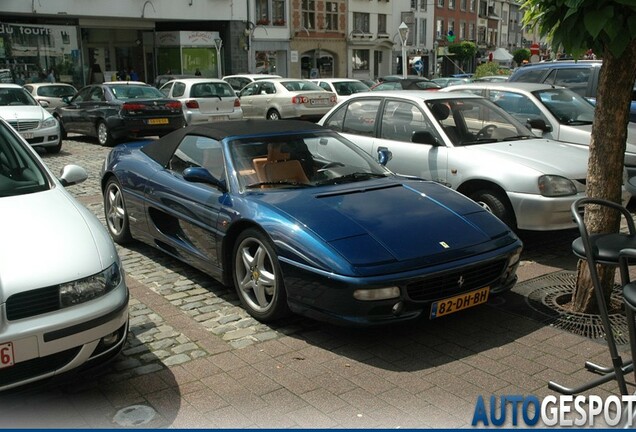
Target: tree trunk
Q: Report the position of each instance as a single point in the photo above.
(605, 164)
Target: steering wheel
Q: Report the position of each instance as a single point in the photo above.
(330, 165)
(486, 131)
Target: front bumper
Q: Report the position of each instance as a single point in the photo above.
(42, 137)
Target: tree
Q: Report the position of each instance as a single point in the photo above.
(463, 51)
(608, 27)
(520, 55)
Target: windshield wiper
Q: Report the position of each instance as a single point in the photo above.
(277, 183)
(356, 176)
(578, 122)
(517, 137)
(480, 141)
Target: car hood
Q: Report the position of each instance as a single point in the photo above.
(31, 112)
(48, 239)
(541, 155)
(395, 221)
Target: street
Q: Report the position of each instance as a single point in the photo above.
(195, 358)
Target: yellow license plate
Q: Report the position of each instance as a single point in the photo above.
(459, 302)
(158, 121)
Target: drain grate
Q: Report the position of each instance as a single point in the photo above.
(555, 290)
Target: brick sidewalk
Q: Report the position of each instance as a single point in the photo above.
(195, 359)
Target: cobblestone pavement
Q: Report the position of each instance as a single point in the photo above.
(195, 358)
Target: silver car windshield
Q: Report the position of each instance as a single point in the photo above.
(567, 106)
(20, 174)
(300, 160)
(470, 121)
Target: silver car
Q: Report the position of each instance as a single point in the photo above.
(204, 99)
(285, 98)
(63, 295)
(342, 87)
(556, 113)
(471, 145)
(50, 95)
(29, 118)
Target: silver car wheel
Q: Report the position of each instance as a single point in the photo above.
(103, 135)
(115, 212)
(255, 275)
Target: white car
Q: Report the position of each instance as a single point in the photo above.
(241, 80)
(50, 95)
(29, 118)
(554, 112)
(469, 144)
(204, 99)
(63, 295)
(285, 98)
(342, 87)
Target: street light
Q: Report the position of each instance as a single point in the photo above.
(218, 43)
(403, 29)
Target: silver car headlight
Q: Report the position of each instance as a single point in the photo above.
(92, 287)
(553, 186)
(49, 122)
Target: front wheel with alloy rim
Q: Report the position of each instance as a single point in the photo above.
(495, 203)
(257, 277)
(103, 135)
(115, 212)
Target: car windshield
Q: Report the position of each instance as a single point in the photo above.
(58, 91)
(469, 121)
(301, 85)
(16, 96)
(346, 88)
(567, 106)
(132, 91)
(212, 90)
(300, 160)
(20, 174)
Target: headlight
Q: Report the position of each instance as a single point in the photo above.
(90, 288)
(49, 122)
(553, 185)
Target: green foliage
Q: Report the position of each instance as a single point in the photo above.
(520, 55)
(577, 25)
(490, 68)
(463, 51)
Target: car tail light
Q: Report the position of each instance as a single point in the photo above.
(177, 105)
(237, 103)
(190, 104)
(129, 106)
(299, 100)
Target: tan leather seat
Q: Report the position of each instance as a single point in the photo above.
(289, 170)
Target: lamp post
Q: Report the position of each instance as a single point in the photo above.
(218, 43)
(403, 29)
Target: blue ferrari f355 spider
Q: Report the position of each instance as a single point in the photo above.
(299, 219)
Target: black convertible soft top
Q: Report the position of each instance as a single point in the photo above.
(162, 149)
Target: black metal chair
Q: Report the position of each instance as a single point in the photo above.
(604, 249)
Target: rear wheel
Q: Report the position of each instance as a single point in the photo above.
(273, 115)
(103, 134)
(495, 203)
(115, 212)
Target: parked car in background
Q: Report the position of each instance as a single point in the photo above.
(556, 113)
(50, 95)
(160, 80)
(399, 83)
(119, 109)
(27, 116)
(342, 87)
(288, 213)
(469, 144)
(450, 81)
(63, 294)
(241, 80)
(368, 82)
(580, 76)
(285, 98)
(204, 99)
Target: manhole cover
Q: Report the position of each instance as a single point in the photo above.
(556, 290)
(134, 415)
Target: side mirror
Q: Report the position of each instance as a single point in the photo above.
(66, 100)
(44, 104)
(202, 175)
(425, 137)
(384, 155)
(540, 124)
(72, 175)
